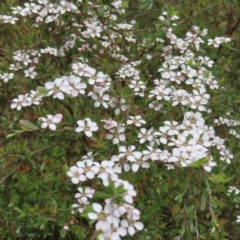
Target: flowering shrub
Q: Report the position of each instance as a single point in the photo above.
(86, 71)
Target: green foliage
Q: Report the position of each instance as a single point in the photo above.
(35, 193)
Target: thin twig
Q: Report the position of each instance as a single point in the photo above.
(13, 170)
(93, 237)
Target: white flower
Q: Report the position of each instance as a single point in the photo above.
(84, 194)
(137, 120)
(75, 174)
(208, 166)
(106, 172)
(100, 99)
(103, 216)
(226, 156)
(57, 88)
(50, 121)
(19, 102)
(140, 161)
(7, 76)
(118, 104)
(109, 124)
(30, 73)
(87, 126)
(117, 134)
(81, 205)
(145, 135)
(88, 169)
(127, 152)
(130, 192)
(131, 225)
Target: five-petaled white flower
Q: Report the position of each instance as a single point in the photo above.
(87, 126)
(50, 121)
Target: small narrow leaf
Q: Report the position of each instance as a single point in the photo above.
(42, 90)
(199, 162)
(28, 124)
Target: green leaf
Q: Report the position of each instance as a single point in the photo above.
(111, 188)
(42, 226)
(103, 195)
(189, 209)
(120, 190)
(63, 233)
(219, 178)
(199, 162)
(124, 4)
(81, 234)
(42, 90)
(16, 132)
(204, 198)
(28, 124)
(19, 210)
(218, 203)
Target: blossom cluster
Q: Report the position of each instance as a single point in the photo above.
(184, 82)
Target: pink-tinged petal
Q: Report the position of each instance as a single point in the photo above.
(114, 177)
(94, 128)
(122, 137)
(105, 163)
(53, 127)
(79, 129)
(95, 169)
(73, 169)
(82, 178)
(131, 230)
(105, 183)
(108, 208)
(131, 158)
(207, 168)
(124, 223)
(92, 216)
(110, 219)
(138, 225)
(103, 176)
(105, 104)
(84, 199)
(128, 199)
(132, 193)
(103, 225)
(97, 207)
(115, 236)
(126, 167)
(80, 123)
(137, 155)
(135, 167)
(145, 165)
(44, 125)
(97, 104)
(163, 140)
(88, 133)
(115, 141)
(70, 174)
(122, 231)
(75, 180)
(90, 175)
(80, 164)
(80, 210)
(77, 195)
(60, 95)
